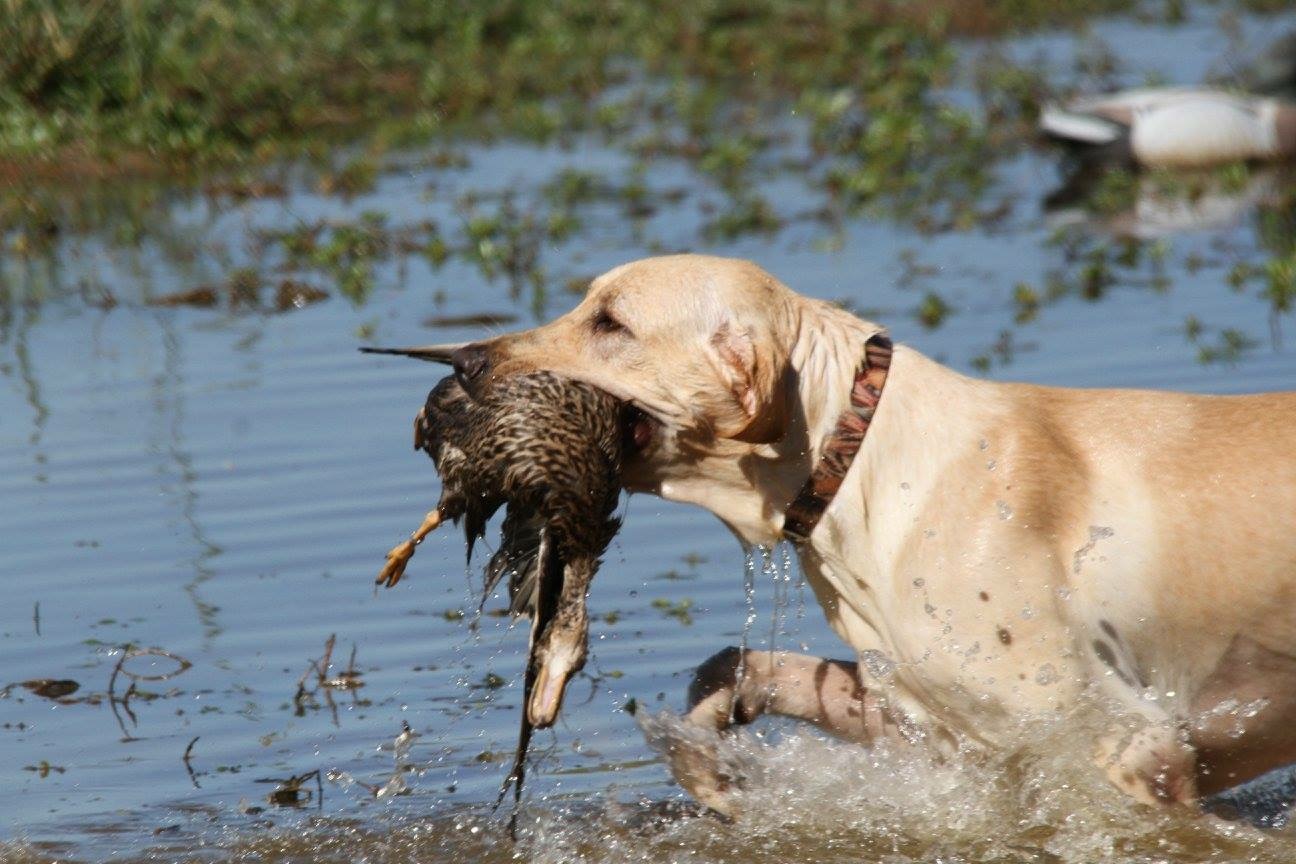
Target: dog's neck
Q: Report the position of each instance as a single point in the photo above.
(826, 355)
(929, 417)
(749, 485)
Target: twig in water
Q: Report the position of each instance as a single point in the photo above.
(349, 679)
(188, 766)
(321, 670)
(181, 665)
(327, 660)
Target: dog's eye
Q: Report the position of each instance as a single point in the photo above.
(605, 323)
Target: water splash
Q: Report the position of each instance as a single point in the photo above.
(1039, 799)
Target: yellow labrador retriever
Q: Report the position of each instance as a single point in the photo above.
(990, 551)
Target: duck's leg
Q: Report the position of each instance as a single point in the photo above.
(400, 554)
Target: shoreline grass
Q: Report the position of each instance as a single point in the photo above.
(142, 86)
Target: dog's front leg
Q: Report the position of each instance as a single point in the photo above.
(734, 687)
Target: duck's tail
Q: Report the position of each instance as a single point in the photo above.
(1090, 137)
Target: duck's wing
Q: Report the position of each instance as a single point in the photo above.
(520, 556)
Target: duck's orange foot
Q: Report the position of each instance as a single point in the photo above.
(400, 554)
(394, 569)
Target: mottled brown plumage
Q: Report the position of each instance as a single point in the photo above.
(550, 450)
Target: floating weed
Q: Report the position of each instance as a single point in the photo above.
(1011, 93)
(1228, 348)
(1280, 282)
(295, 294)
(749, 214)
(932, 311)
(43, 769)
(1243, 272)
(693, 560)
(1115, 191)
(1096, 274)
(292, 791)
(507, 243)
(674, 576)
(680, 610)
(46, 688)
(492, 681)
(357, 176)
(1026, 302)
(571, 187)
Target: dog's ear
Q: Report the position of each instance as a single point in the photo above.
(751, 416)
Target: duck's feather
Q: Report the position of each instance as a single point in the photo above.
(521, 556)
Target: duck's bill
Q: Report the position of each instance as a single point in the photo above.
(433, 353)
(564, 657)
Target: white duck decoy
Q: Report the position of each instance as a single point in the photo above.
(1176, 127)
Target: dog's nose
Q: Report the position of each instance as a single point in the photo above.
(470, 364)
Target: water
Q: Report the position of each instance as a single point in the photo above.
(222, 483)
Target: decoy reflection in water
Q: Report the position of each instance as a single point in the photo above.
(549, 450)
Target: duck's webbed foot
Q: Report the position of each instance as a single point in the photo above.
(401, 553)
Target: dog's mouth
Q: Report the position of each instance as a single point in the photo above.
(638, 430)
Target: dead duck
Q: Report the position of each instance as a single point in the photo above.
(550, 451)
(1175, 127)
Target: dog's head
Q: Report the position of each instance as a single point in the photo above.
(699, 344)
(732, 374)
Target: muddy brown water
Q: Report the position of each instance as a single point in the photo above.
(221, 484)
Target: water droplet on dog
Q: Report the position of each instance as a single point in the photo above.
(879, 665)
(1064, 593)
(983, 444)
(1046, 675)
(919, 582)
(1005, 512)
(990, 465)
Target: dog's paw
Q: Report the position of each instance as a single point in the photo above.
(1150, 765)
(695, 759)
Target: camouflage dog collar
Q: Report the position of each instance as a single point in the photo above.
(840, 447)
